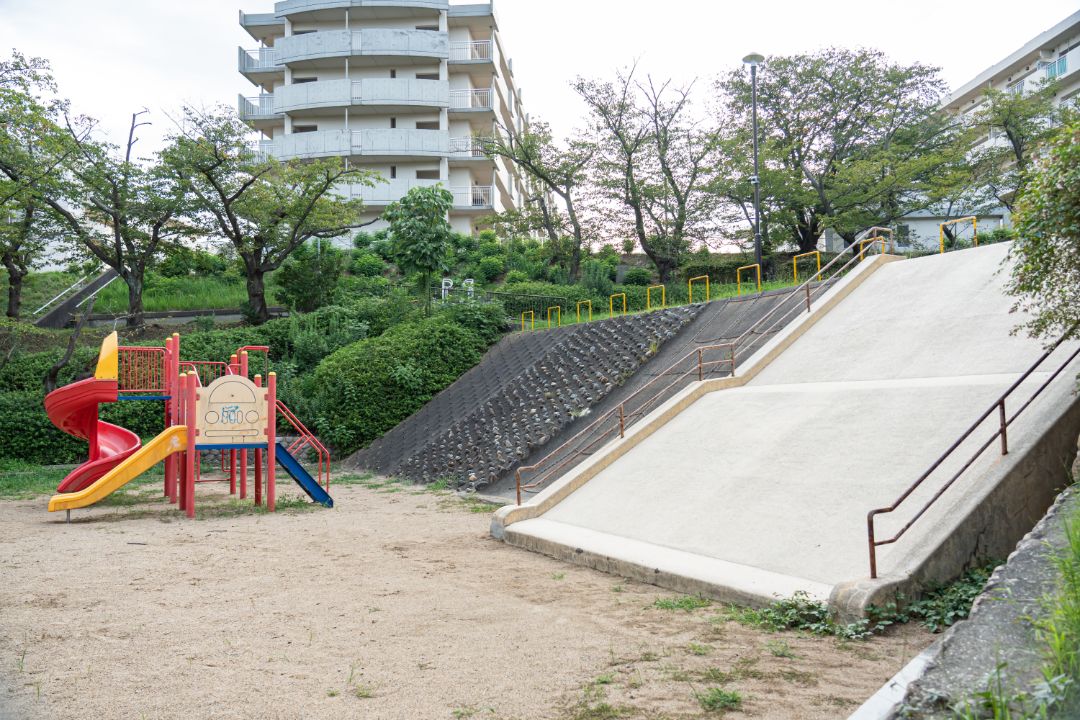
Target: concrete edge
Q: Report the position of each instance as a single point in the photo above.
(884, 703)
(992, 522)
(563, 487)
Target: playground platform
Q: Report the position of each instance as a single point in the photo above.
(759, 486)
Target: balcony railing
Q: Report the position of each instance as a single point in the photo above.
(471, 146)
(262, 59)
(474, 50)
(259, 106)
(475, 196)
(385, 193)
(470, 99)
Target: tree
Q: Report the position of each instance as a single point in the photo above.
(308, 277)
(420, 233)
(1012, 126)
(554, 169)
(265, 208)
(1046, 274)
(655, 161)
(850, 138)
(26, 230)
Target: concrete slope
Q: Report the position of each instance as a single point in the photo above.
(763, 488)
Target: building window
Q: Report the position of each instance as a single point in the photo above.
(393, 123)
(1056, 68)
(427, 174)
(427, 124)
(427, 76)
(393, 172)
(1017, 88)
(433, 28)
(302, 80)
(304, 128)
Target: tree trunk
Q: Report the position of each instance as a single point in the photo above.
(135, 302)
(15, 283)
(256, 290)
(664, 268)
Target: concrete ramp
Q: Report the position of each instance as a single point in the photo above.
(756, 487)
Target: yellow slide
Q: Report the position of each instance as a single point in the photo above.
(172, 440)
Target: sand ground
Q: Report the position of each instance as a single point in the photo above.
(395, 604)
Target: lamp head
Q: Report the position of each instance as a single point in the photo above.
(754, 59)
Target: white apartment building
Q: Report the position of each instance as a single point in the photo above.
(1054, 54)
(408, 88)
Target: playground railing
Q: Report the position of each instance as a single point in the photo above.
(206, 371)
(1001, 433)
(307, 439)
(141, 369)
(582, 443)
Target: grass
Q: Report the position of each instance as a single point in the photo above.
(20, 481)
(780, 648)
(187, 293)
(38, 288)
(697, 649)
(686, 603)
(718, 699)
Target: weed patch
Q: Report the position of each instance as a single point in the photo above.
(686, 603)
(718, 699)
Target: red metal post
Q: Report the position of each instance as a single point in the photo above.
(189, 486)
(258, 460)
(182, 462)
(170, 392)
(243, 453)
(271, 439)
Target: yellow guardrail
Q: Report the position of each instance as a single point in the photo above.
(648, 296)
(578, 309)
(863, 243)
(611, 304)
(738, 277)
(795, 263)
(558, 315)
(532, 318)
(974, 230)
(690, 287)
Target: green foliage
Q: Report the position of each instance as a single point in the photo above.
(1046, 275)
(799, 612)
(184, 292)
(943, 605)
(488, 320)
(26, 433)
(721, 268)
(307, 279)
(596, 276)
(490, 268)
(182, 261)
(366, 388)
(686, 603)
(638, 276)
(717, 699)
(516, 276)
(421, 233)
(366, 264)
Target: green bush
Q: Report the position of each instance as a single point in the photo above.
(488, 320)
(26, 433)
(180, 261)
(367, 388)
(366, 264)
(596, 276)
(307, 279)
(516, 276)
(490, 268)
(490, 248)
(638, 276)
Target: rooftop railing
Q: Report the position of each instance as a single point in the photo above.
(471, 50)
(476, 99)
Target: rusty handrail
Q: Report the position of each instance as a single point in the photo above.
(308, 438)
(808, 288)
(1002, 432)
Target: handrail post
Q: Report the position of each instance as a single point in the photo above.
(700, 374)
(807, 298)
(1004, 427)
(872, 545)
(622, 422)
(517, 482)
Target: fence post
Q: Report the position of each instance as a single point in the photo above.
(872, 545)
(807, 298)
(1004, 428)
(700, 373)
(622, 422)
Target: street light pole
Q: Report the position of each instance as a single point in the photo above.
(753, 60)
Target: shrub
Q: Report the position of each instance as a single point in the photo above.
(596, 276)
(350, 287)
(490, 268)
(365, 389)
(26, 433)
(308, 277)
(490, 249)
(180, 261)
(638, 276)
(489, 320)
(516, 276)
(366, 264)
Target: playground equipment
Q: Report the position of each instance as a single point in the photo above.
(974, 230)
(209, 406)
(738, 277)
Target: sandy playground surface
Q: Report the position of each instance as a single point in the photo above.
(395, 604)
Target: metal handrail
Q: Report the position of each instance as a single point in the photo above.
(308, 438)
(62, 294)
(141, 369)
(810, 288)
(1002, 432)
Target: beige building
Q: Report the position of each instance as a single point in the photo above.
(408, 88)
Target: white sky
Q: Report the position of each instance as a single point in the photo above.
(112, 57)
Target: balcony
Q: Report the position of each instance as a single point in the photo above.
(366, 143)
(385, 193)
(474, 197)
(402, 93)
(470, 147)
(263, 59)
(257, 108)
(476, 99)
(292, 7)
(372, 42)
(474, 51)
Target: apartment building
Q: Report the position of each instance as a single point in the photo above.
(1054, 54)
(412, 89)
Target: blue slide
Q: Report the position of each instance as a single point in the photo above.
(302, 478)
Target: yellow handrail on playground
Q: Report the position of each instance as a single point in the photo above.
(974, 230)
(611, 304)
(558, 315)
(738, 277)
(532, 318)
(578, 309)
(862, 245)
(795, 263)
(648, 296)
(690, 287)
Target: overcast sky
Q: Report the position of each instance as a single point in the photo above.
(112, 57)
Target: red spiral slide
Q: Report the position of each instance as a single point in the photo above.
(74, 409)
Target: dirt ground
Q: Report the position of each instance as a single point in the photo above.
(395, 604)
